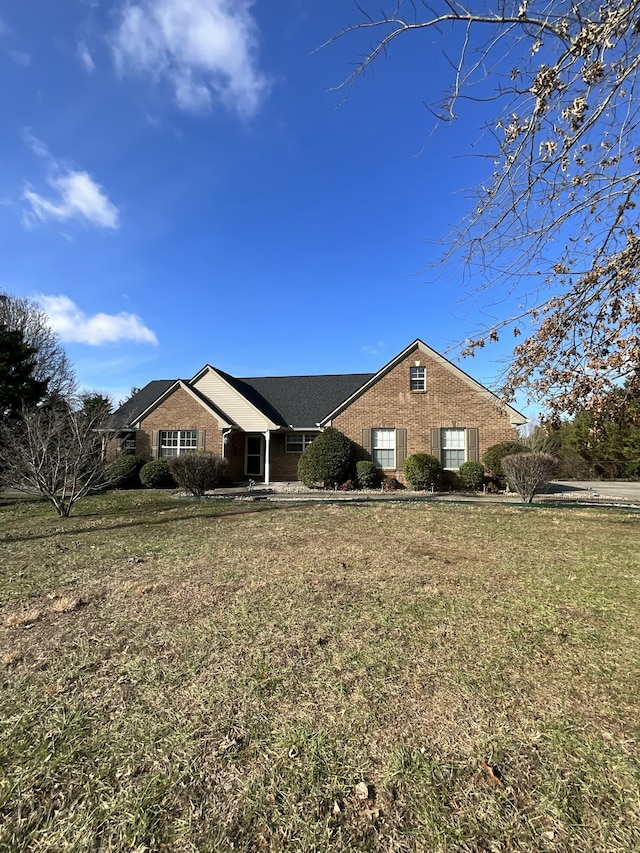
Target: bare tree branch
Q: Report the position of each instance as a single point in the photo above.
(556, 225)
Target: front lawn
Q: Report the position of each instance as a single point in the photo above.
(183, 676)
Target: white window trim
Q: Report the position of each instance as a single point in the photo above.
(422, 379)
(181, 447)
(374, 431)
(307, 438)
(444, 449)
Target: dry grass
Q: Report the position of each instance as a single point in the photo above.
(381, 677)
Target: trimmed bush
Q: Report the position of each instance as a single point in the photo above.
(471, 475)
(197, 473)
(422, 471)
(156, 475)
(329, 460)
(367, 474)
(528, 473)
(123, 472)
(493, 456)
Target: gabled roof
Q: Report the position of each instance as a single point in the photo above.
(300, 401)
(132, 408)
(151, 396)
(515, 416)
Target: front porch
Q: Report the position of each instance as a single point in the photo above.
(264, 457)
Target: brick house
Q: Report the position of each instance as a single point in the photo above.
(418, 402)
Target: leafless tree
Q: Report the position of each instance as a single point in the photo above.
(51, 361)
(528, 473)
(56, 452)
(555, 228)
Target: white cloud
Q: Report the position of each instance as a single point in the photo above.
(205, 49)
(85, 57)
(74, 326)
(76, 195)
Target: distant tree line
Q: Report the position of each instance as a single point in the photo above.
(588, 448)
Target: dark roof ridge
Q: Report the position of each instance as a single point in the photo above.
(303, 376)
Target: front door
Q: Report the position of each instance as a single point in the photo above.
(254, 456)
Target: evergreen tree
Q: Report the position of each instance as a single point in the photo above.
(18, 386)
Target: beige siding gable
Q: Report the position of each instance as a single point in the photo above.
(214, 387)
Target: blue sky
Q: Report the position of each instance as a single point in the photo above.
(179, 185)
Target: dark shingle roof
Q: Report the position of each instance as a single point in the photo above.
(137, 404)
(300, 401)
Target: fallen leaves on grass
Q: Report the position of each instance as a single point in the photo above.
(494, 774)
(361, 791)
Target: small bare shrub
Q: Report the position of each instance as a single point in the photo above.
(528, 473)
(197, 473)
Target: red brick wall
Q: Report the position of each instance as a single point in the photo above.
(449, 401)
(179, 411)
(283, 465)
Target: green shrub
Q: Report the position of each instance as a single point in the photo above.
(422, 471)
(196, 473)
(471, 475)
(493, 456)
(328, 461)
(156, 475)
(123, 472)
(367, 475)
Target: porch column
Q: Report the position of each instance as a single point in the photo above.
(225, 438)
(267, 443)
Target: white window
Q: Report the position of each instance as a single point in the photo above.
(453, 447)
(417, 379)
(383, 447)
(174, 442)
(296, 442)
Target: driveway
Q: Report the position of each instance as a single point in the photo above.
(616, 490)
